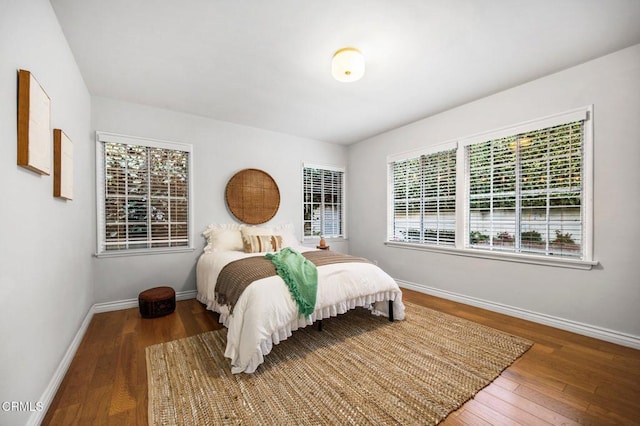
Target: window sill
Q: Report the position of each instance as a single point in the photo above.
(315, 240)
(143, 252)
(508, 257)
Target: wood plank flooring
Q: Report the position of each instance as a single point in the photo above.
(563, 379)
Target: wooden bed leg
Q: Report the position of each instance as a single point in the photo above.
(390, 310)
(319, 325)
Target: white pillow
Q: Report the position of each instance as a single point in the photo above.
(223, 237)
(288, 233)
(256, 230)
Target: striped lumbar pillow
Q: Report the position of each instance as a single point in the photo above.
(261, 243)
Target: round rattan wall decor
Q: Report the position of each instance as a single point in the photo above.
(252, 196)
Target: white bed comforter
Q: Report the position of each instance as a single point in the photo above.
(266, 314)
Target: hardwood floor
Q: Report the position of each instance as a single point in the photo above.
(563, 379)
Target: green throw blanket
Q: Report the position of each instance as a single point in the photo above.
(300, 275)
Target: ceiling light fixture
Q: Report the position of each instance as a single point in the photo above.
(347, 65)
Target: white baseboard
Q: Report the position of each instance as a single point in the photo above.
(49, 393)
(133, 303)
(556, 322)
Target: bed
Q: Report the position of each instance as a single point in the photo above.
(265, 313)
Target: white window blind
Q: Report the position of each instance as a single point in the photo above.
(424, 199)
(521, 193)
(525, 192)
(323, 201)
(143, 194)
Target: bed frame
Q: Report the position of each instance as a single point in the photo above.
(319, 322)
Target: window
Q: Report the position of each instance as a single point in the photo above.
(525, 192)
(323, 201)
(522, 191)
(424, 198)
(144, 195)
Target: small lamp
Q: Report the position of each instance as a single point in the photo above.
(347, 65)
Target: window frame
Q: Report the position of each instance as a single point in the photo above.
(461, 247)
(343, 211)
(107, 137)
(435, 149)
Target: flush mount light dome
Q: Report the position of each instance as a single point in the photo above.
(347, 65)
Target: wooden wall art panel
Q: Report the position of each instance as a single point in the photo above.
(34, 125)
(252, 196)
(62, 165)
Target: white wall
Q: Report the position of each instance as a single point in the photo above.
(605, 297)
(45, 251)
(220, 150)
(47, 272)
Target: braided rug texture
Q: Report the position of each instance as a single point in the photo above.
(360, 369)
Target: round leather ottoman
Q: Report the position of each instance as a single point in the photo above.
(156, 302)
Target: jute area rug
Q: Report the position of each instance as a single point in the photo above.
(360, 369)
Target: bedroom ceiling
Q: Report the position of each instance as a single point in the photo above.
(267, 64)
